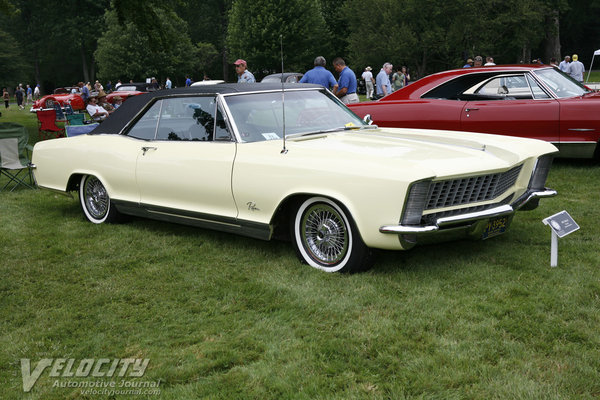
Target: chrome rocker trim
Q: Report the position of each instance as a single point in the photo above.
(469, 217)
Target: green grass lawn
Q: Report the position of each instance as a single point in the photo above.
(226, 317)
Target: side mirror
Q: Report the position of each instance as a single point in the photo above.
(367, 119)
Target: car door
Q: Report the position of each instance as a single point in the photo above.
(184, 168)
(421, 113)
(513, 105)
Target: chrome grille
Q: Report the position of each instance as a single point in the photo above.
(455, 192)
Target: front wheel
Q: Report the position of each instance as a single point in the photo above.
(325, 237)
(95, 202)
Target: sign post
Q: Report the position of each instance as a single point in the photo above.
(561, 224)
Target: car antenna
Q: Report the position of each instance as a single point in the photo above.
(284, 150)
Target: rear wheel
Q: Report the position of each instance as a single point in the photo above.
(325, 237)
(95, 202)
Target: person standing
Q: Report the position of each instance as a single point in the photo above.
(19, 96)
(478, 61)
(564, 64)
(319, 75)
(36, 92)
(5, 97)
(84, 92)
(489, 62)
(188, 81)
(576, 69)
(29, 99)
(398, 79)
(241, 69)
(346, 90)
(469, 63)
(384, 87)
(168, 83)
(369, 82)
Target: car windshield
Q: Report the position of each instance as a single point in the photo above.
(126, 88)
(561, 84)
(259, 116)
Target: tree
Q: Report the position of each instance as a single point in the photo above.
(126, 52)
(255, 28)
(14, 69)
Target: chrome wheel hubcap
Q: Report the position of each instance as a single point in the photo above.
(96, 198)
(325, 234)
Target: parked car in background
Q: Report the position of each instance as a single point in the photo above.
(226, 157)
(127, 90)
(61, 96)
(286, 77)
(534, 101)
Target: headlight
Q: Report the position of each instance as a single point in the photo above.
(540, 172)
(415, 203)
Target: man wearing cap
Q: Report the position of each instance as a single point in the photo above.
(244, 76)
(320, 75)
(576, 69)
(346, 90)
(469, 63)
(369, 82)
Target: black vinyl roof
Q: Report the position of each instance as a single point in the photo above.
(132, 106)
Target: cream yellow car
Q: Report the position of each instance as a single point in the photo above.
(267, 161)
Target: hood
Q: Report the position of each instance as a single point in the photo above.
(421, 153)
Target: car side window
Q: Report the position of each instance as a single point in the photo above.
(145, 127)
(221, 130)
(187, 118)
(538, 92)
(507, 87)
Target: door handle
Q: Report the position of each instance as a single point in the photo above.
(146, 148)
(471, 109)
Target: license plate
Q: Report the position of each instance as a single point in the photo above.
(495, 227)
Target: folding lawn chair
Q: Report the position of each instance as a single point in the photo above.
(60, 115)
(75, 119)
(68, 109)
(47, 127)
(14, 163)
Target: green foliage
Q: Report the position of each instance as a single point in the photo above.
(124, 52)
(255, 27)
(13, 66)
(434, 35)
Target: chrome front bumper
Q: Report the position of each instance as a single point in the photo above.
(469, 218)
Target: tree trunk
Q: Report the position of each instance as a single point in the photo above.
(86, 75)
(552, 42)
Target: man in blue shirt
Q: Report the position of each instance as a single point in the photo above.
(384, 87)
(346, 90)
(320, 75)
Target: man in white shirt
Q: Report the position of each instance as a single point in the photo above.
(98, 113)
(369, 82)
(564, 64)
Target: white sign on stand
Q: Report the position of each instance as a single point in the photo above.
(561, 224)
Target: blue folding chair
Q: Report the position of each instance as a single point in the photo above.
(60, 115)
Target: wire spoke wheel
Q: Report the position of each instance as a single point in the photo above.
(326, 238)
(325, 234)
(96, 198)
(95, 201)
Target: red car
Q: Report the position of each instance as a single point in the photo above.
(130, 89)
(61, 96)
(534, 101)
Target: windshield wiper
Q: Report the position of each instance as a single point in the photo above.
(337, 129)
